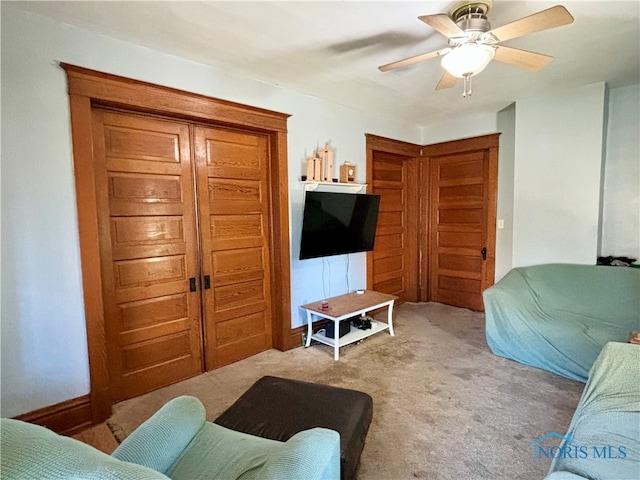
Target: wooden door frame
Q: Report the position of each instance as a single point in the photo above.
(488, 143)
(411, 154)
(89, 88)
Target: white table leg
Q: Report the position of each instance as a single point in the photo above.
(390, 318)
(336, 340)
(309, 328)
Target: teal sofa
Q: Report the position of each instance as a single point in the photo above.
(558, 316)
(603, 441)
(177, 443)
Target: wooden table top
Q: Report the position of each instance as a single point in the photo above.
(349, 303)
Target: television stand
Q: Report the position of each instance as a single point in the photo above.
(347, 306)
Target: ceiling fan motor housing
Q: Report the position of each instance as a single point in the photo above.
(471, 16)
(474, 23)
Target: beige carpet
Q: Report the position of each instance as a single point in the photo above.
(445, 407)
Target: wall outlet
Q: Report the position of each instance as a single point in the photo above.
(304, 338)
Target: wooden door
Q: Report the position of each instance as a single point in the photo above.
(149, 251)
(462, 220)
(233, 200)
(395, 259)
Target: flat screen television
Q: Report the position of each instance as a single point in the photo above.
(338, 223)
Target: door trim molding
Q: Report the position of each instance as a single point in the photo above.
(117, 91)
(389, 145)
(88, 88)
(483, 142)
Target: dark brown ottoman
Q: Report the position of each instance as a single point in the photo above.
(278, 408)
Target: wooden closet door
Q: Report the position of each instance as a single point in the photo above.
(233, 202)
(395, 256)
(462, 218)
(148, 243)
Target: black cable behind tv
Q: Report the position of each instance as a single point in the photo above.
(338, 223)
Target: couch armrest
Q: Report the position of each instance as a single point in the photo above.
(159, 441)
(311, 454)
(34, 452)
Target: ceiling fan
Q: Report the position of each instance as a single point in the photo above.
(473, 44)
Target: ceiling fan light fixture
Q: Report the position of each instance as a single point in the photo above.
(468, 59)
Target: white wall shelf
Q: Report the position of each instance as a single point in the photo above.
(311, 185)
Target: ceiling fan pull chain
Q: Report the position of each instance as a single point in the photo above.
(466, 88)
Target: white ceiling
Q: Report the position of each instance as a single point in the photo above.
(332, 49)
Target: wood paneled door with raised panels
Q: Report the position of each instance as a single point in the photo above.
(234, 220)
(391, 253)
(393, 172)
(183, 240)
(462, 224)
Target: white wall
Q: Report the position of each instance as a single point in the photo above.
(621, 195)
(471, 126)
(558, 151)
(44, 353)
(506, 164)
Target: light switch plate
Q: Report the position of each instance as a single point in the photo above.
(500, 223)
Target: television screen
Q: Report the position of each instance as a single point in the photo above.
(338, 223)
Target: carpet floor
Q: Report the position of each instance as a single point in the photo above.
(444, 407)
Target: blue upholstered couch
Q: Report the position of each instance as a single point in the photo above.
(558, 317)
(176, 442)
(603, 441)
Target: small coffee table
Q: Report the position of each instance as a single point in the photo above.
(347, 306)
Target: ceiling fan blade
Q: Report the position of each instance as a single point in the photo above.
(549, 18)
(443, 24)
(446, 81)
(530, 61)
(411, 60)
